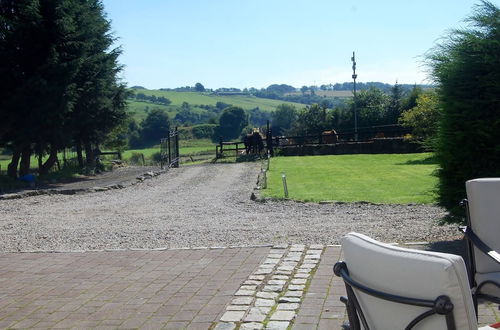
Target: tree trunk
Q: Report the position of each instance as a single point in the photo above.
(79, 153)
(89, 155)
(24, 167)
(49, 163)
(12, 167)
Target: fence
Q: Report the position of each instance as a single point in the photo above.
(169, 150)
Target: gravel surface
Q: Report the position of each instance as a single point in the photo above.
(197, 206)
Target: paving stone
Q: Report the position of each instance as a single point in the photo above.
(251, 326)
(273, 288)
(280, 277)
(286, 268)
(256, 277)
(293, 287)
(267, 266)
(279, 246)
(272, 261)
(312, 256)
(263, 271)
(275, 255)
(301, 275)
(288, 306)
(294, 254)
(276, 282)
(225, 326)
(299, 281)
(232, 316)
(264, 302)
(283, 316)
(316, 246)
(242, 301)
(255, 315)
(293, 294)
(284, 272)
(310, 261)
(237, 307)
(314, 251)
(289, 300)
(248, 287)
(267, 295)
(293, 258)
(252, 282)
(245, 293)
(277, 325)
(306, 266)
(290, 263)
(264, 310)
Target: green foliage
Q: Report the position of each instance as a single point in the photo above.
(231, 122)
(204, 131)
(155, 127)
(423, 118)
(199, 87)
(283, 118)
(394, 178)
(466, 67)
(137, 158)
(311, 120)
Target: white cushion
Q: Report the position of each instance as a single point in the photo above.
(484, 207)
(409, 273)
(490, 289)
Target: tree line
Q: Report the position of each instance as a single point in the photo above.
(59, 83)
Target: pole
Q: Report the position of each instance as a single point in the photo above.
(354, 76)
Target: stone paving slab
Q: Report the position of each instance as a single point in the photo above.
(172, 289)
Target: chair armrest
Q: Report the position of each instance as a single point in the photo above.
(481, 245)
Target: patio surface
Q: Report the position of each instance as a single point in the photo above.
(176, 289)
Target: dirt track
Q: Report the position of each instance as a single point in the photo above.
(196, 206)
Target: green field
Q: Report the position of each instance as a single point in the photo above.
(395, 178)
(195, 98)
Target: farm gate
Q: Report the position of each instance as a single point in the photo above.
(169, 150)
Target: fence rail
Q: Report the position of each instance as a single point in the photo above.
(169, 150)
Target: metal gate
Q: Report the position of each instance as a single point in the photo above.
(169, 150)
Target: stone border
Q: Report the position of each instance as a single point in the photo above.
(409, 244)
(30, 193)
(271, 296)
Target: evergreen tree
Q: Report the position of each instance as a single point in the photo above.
(467, 69)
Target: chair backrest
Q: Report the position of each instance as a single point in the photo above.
(410, 273)
(484, 210)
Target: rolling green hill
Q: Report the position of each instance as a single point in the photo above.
(140, 108)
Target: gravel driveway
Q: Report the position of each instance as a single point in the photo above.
(196, 206)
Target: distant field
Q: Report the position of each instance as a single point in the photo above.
(396, 178)
(329, 93)
(194, 98)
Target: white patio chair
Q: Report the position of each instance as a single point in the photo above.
(483, 237)
(389, 287)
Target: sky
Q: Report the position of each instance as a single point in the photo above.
(255, 43)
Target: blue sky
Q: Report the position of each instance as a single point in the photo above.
(255, 43)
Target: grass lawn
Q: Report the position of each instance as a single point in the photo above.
(388, 178)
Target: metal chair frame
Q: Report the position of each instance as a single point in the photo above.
(474, 241)
(442, 305)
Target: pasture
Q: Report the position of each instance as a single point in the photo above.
(390, 179)
(139, 112)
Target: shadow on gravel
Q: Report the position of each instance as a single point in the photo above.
(454, 247)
